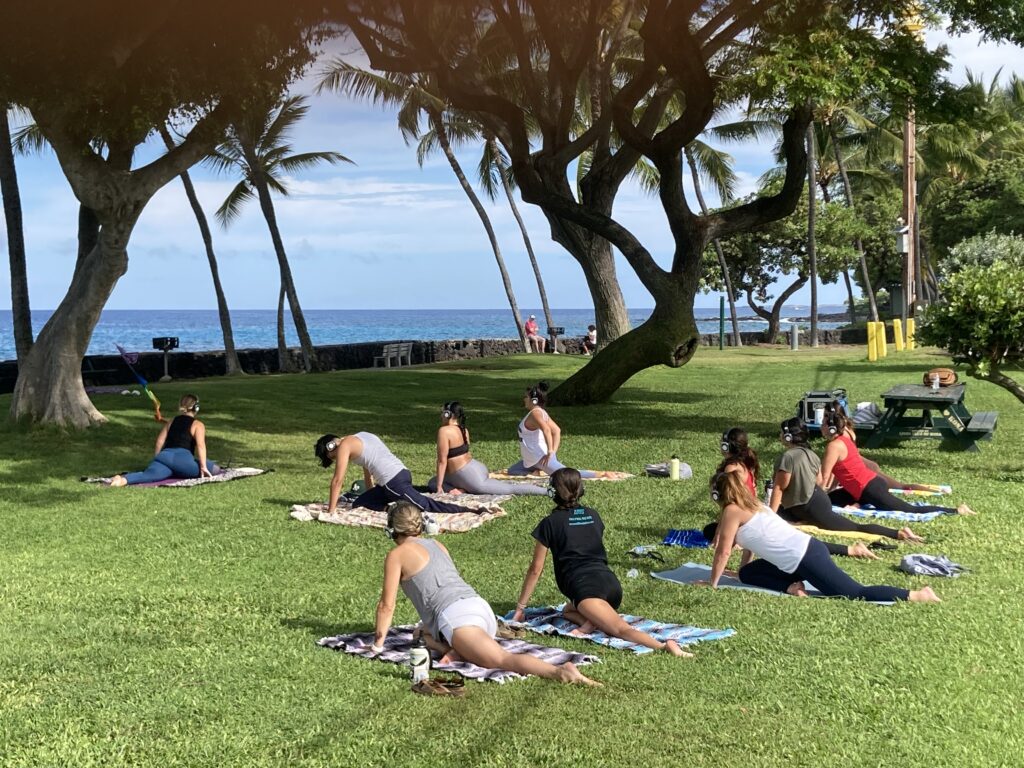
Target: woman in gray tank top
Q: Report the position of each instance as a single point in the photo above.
(457, 622)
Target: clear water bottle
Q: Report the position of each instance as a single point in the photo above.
(419, 661)
(673, 467)
(769, 486)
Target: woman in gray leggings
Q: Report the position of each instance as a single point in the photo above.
(456, 467)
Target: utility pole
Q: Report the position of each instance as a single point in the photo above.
(912, 289)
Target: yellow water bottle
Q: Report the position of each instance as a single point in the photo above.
(673, 467)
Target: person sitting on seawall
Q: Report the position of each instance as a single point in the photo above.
(738, 456)
(457, 621)
(180, 450)
(456, 467)
(860, 485)
(796, 494)
(540, 437)
(786, 556)
(590, 340)
(537, 342)
(574, 534)
(380, 466)
(890, 482)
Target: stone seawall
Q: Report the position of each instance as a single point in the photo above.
(108, 370)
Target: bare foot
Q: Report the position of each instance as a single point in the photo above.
(568, 673)
(906, 534)
(117, 481)
(796, 589)
(963, 509)
(450, 658)
(455, 492)
(585, 628)
(860, 550)
(673, 647)
(924, 595)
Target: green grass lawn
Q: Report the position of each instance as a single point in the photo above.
(177, 627)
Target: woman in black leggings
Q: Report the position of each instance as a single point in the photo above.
(797, 497)
(859, 484)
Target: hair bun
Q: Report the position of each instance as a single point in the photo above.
(542, 386)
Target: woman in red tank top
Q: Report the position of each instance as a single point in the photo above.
(843, 463)
(738, 456)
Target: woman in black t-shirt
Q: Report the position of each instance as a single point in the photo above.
(574, 534)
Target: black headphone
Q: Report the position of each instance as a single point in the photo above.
(553, 494)
(446, 413)
(787, 433)
(832, 422)
(195, 407)
(331, 446)
(728, 446)
(715, 495)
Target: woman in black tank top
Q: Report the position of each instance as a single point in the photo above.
(180, 450)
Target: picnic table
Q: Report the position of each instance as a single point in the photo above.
(943, 415)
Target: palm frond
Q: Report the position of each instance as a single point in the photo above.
(427, 146)
(490, 169)
(232, 206)
(715, 167)
(306, 160)
(291, 111)
(29, 140)
(225, 160)
(341, 77)
(647, 176)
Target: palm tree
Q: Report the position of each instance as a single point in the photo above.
(812, 251)
(230, 355)
(413, 96)
(256, 147)
(21, 312)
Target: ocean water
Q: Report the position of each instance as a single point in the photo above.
(199, 329)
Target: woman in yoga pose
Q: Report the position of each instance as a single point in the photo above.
(386, 477)
(738, 456)
(456, 467)
(787, 557)
(540, 437)
(842, 462)
(797, 497)
(180, 450)
(574, 534)
(457, 621)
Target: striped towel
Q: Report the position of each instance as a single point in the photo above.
(236, 473)
(816, 532)
(399, 641)
(688, 537)
(479, 510)
(549, 621)
(540, 478)
(933, 490)
(888, 514)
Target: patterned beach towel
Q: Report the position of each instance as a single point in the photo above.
(479, 510)
(888, 514)
(691, 573)
(549, 621)
(933, 490)
(235, 473)
(539, 478)
(399, 641)
(687, 537)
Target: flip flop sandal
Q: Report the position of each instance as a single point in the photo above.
(430, 687)
(510, 633)
(885, 547)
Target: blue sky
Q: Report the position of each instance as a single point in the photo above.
(381, 234)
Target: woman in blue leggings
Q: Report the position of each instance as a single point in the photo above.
(180, 450)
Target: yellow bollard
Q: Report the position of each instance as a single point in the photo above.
(883, 348)
(897, 333)
(872, 342)
(911, 329)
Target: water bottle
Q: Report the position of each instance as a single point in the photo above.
(419, 661)
(769, 486)
(632, 573)
(673, 467)
(935, 382)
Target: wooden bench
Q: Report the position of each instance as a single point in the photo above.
(398, 352)
(93, 376)
(984, 423)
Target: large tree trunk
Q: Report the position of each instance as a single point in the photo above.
(1000, 379)
(50, 387)
(848, 193)
(850, 296)
(284, 360)
(668, 337)
(230, 355)
(737, 340)
(774, 316)
(812, 246)
(88, 234)
(526, 241)
(442, 140)
(21, 312)
(267, 206)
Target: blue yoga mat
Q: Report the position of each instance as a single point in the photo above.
(690, 573)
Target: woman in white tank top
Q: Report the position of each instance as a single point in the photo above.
(786, 557)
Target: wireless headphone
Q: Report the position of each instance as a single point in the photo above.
(552, 494)
(787, 433)
(389, 527)
(727, 445)
(715, 495)
(331, 445)
(195, 407)
(832, 422)
(447, 412)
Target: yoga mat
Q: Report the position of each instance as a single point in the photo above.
(934, 490)
(549, 621)
(691, 573)
(479, 510)
(888, 514)
(813, 530)
(399, 641)
(237, 473)
(539, 478)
